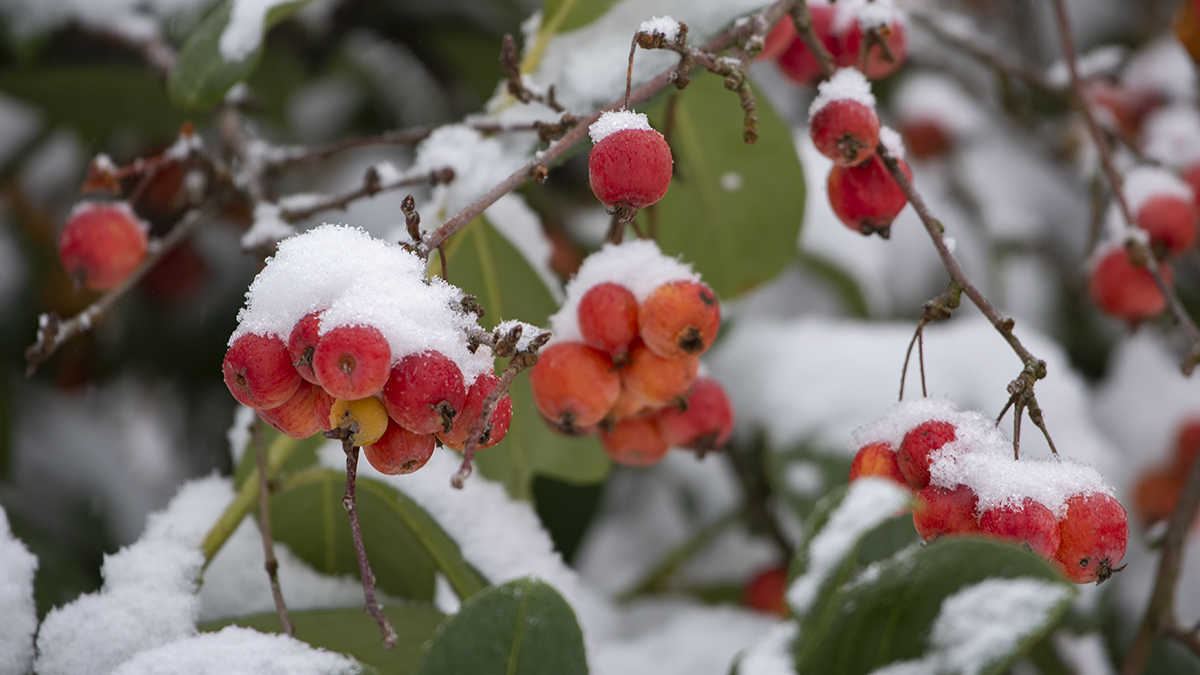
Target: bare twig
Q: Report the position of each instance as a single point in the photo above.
(250, 169)
(804, 28)
(364, 566)
(998, 61)
(371, 186)
(936, 309)
(270, 564)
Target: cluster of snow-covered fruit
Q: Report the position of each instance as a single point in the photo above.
(345, 332)
(840, 28)
(968, 482)
(624, 358)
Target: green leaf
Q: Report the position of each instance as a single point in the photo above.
(202, 75)
(404, 544)
(889, 616)
(521, 628)
(485, 264)
(737, 238)
(350, 631)
(561, 16)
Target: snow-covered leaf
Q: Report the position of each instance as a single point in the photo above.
(521, 628)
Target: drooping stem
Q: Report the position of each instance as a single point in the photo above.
(364, 566)
(264, 528)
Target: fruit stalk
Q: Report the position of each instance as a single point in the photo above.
(270, 564)
(364, 566)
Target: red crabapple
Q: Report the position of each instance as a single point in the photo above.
(400, 451)
(497, 425)
(322, 407)
(629, 404)
(796, 62)
(634, 442)
(366, 419)
(878, 65)
(574, 385)
(679, 318)
(925, 138)
(1033, 525)
(866, 198)
(1125, 291)
(939, 512)
(295, 417)
(102, 244)
(657, 380)
(877, 459)
(919, 443)
(1187, 444)
(1156, 493)
(706, 423)
(778, 40)
(425, 392)
(766, 590)
(258, 371)
(1170, 220)
(845, 130)
(608, 318)
(302, 345)
(1093, 537)
(352, 362)
(630, 168)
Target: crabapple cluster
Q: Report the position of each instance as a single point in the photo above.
(629, 166)
(369, 349)
(840, 28)
(102, 244)
(844, 127)
(625, 357)
(1158, 489)
(966, 482)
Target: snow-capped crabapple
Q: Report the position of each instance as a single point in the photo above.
(845, 130)
(302, 345)
(919, 443)
(352, 362)
(366, 419)
(258, 372)
(629, 170)
(679, 318)
(778, 39)
(608, 318)
(1032, 525)
(497, 425)
(1170, 220)
(574, 385)
(1093, 536)
(939, 511)
(102, 244)
(705, 424)
(1124, 290)
(765, 592)
(877, 459)
(878, 64)
(424, 392)
(634, 442)
(796, 62)
(657, 380)
(296, 416)
(400, 451)
(865, 197)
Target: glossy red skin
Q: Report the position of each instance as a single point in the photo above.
(573, 384)
(400, 451)
(940, 512)
(657, 380)
(296, 417)
(418, 383)
(608, 318)
(352, 362)
(706, 423)
(918, 444)
(1187, 444)
(1093, 536)
(679, 318)
(865, 197)
(796, 62)
(878, 67)
(302, 345)
(259, 373)
(1033, 525)
(879, 460)
(1124, 291)
(498, 423)
(634, 442)
(766, 590)
(778, 40)
(849, 119)
(323, 408)
(101, 245)
(630, 167)
(925, 139)
(1170, 221)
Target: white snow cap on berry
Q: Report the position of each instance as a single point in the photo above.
(661, 25)
(846, 84)
(611, 122)
(637, 265)
(122, 207)
(868, 13)
(1173, 135)
(1144, 182)
(892, 141)
(935, 98)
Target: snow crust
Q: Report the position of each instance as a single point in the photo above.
(638, 265)
(611, 122)
(661, 25)
(891, 140)
(772, 655)
(1172, 135)
(867, 13)
(927, 97)
(18, 614)
(358, 280)
(268, 228)
(238, 651)
(846, 84)
(1162, 67)
(244, 32)
(1144, 182)
(1103, 60)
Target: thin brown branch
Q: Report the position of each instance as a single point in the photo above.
(370, 187)
(281, 158)
(249, 169)
(270, 564)
(937, 309)
(804, 28)
(1002, 63)
(364, 566)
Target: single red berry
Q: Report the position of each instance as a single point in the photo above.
(1187, 444)
(102, 244)
(915, 450)
(634, 442)
(1156, 493)
(296, 416)
(302, 345)
(629, 404)
(879, 65)
(679, 318)
(352, 362)
(258, 372)
(865, 197)
(845, 130)
(1125, 291)
(877, 459)
(1093, 536)
(574, 385)
(629, 167)
(796, 62)
(778, 40)
(497, 425)
(399, 451)
(939, 512)
(1032, 525)
(658, 381)
(705, 424)
(765, 591)
(608, 318)
(425, 392)
(925, 138)
(1170, 220)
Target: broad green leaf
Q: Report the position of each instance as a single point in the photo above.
(483, 263)
(889, 615)
(521, 628)
(404, 544)
(202, 74)
(733, 210)
(351, 631)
